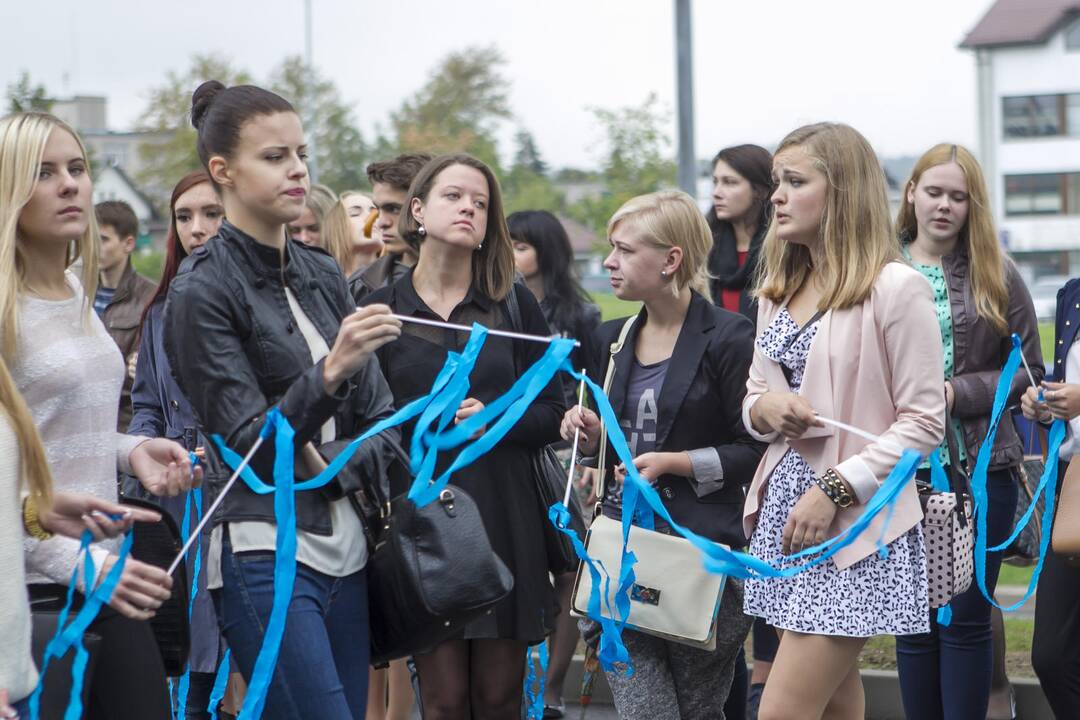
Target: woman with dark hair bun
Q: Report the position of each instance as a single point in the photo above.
(255, 321)
(162, 410)
(738, 218)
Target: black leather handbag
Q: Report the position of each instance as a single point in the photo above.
(432, 570)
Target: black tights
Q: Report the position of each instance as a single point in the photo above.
(472, 679)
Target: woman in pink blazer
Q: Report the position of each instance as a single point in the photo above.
(840, 324)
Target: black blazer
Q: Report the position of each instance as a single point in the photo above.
(700, 405)
(1066, 323)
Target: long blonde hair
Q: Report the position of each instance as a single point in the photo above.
(335, 230)
(34, 467)
(856, 230)
(978, 234)
(671, 218)
(23, 137)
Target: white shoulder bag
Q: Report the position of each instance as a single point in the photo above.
(673, 596)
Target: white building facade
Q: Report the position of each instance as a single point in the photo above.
(1028, 75)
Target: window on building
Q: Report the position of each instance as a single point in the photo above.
(1072, 114)
(1043, 194)
(1072, 36)
(1032, 116)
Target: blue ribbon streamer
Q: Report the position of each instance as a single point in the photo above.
(980, 494)
(537, 673)
(221, 680)
(72, 635)
(194, 497)
(716, 558)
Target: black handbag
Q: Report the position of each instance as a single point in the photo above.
(46, 602)
(432, 571)
(157, 543)
(1024, 550)
(549, 479)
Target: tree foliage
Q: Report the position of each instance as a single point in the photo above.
(24, 96)
(457, 110)
(637, 159)
(168, 111)
(340, 152)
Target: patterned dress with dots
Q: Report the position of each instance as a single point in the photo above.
(875, 596)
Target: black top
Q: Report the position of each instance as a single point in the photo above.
(236, 351)
(700, 405)
(501, 481)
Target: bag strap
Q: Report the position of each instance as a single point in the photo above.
(615, 349)
(959, 483)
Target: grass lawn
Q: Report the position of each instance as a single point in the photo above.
(612, 307)
(1046, 336)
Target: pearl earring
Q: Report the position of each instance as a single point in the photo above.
(421, 230)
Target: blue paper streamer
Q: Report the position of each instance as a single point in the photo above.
(194, 497)
(980, 494)
(72, 635)
(221, 680)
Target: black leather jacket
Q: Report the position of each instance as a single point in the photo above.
(236, 351)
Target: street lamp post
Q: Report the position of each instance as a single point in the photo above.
(684, 58)
(309, 91)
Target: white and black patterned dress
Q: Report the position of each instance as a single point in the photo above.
(875, 596)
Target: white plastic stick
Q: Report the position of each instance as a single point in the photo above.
(573, 452)
(861, 433)
(466, 328)
(1027, 367)
(217, 501)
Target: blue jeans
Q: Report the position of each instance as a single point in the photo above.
(945, 674)
(322, 668)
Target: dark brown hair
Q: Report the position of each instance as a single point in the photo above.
(119, 215)
(174, 250)
(754, 163)
(493, 263)
(218, 113)
(399, 172)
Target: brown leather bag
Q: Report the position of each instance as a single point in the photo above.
(1065, 537)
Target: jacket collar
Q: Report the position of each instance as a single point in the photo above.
(126, 286)
(263, 260)
(690, 346)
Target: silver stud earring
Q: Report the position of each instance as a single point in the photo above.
(663, 273)
(421, 230)
(480, 246)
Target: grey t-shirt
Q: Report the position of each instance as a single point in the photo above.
(639, 415)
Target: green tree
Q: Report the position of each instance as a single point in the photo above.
(527, 186)
(457, 110)
(340, 152)
(637, 159)
(168, 111)
(23, 95)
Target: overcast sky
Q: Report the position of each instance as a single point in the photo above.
(761, 68)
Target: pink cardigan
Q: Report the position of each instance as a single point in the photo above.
(877, 366)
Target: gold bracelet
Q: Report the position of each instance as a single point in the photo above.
(31, 520)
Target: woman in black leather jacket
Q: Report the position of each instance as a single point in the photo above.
(255, 321)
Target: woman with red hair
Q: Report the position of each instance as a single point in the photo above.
(162, 410)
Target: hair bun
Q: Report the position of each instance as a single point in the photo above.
(201, 100)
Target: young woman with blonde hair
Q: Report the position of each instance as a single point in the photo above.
(840, 321)
(325, 224)
(678, 387)
(70, 374)
(947, 232)
(366, 239)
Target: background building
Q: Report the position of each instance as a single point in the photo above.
(1028, 107)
